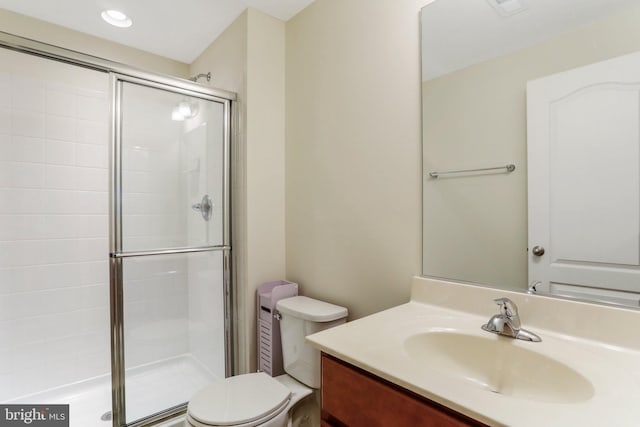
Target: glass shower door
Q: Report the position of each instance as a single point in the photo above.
(170, 247)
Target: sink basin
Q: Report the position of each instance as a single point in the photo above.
(499, 365)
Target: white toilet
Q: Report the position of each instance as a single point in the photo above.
(257, 399)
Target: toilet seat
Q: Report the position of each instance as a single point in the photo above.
(241, 401)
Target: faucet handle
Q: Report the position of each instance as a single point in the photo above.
(507, 307)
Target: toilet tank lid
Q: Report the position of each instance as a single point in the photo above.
(311, 309)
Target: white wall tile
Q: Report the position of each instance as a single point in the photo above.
(5, 90)
(20, 279)
(54, 226)
(91, 249)
(137, 225)
(56, 276)
(21, 175)
(92, 108)
(61, 128)
(61, 102)
(92, 179)
(138, 159)
(136, 182)
(61, 177)
(136, 204)
(23, 305)
(27, 95)
(59, 152)
(92, 155)
(94, 319)
(20, 201)
(92, 132)
(62, 300)
(58, 202)
(8, 332)
(6, 360)
(53, 306)
(5, 120)
(93, 296)
(21, 149)
(59, 251)
(15, 227)
(91, 202)
(93, 272)
(32, 329)
(91, 225)
(62, 325)
(27, 124)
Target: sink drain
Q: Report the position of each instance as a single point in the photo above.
(106, 416)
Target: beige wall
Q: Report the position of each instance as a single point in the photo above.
(353, 152)
(265, 159)
(476, 228)
(248, 58)
(24, 26)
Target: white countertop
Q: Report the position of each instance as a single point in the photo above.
(573, 333)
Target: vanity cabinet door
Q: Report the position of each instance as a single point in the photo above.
(354, 398)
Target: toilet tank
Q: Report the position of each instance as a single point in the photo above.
(302, 316)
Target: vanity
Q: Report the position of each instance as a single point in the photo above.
(428, 362)
(354, 397)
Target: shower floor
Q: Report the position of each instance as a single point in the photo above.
(150, 388)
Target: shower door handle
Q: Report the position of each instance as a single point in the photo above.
(205, 207)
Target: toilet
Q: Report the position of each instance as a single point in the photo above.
(257, 399)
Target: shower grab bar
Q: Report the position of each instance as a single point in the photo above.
(509, 168)
(170, 251)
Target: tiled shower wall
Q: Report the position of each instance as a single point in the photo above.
(54, 316)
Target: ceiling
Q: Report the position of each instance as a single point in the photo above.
(460, 33)
(179, 30)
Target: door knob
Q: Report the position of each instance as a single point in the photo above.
(538, 250)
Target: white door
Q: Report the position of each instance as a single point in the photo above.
(583, 137)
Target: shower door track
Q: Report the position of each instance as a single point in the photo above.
(120, 73)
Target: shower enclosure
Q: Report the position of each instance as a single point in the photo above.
(115, 290)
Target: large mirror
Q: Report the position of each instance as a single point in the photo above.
(531, 153)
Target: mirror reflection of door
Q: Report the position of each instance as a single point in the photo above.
(583, 138)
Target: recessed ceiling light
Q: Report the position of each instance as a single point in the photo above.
(116, 18)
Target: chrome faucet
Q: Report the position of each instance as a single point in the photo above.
(507, 323)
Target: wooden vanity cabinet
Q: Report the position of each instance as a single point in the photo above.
(352, 397)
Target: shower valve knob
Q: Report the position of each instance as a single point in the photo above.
(205, 207)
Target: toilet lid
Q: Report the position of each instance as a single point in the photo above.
(238, 400)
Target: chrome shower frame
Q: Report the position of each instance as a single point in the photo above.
(119, 74)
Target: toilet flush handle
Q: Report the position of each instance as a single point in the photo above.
(277, 315)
